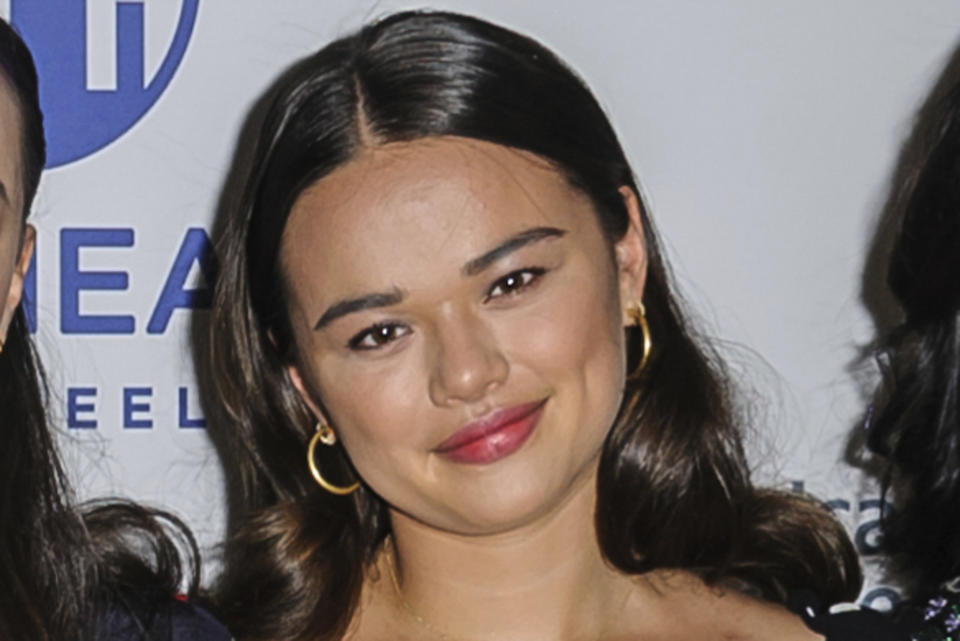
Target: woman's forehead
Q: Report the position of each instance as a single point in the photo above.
(431, 196)
(399, 171)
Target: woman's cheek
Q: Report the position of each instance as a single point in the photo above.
(567, 330)
(373, 400)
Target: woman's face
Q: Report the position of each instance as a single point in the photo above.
(459, 314)
(16, 244)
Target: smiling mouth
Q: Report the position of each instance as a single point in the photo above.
(494, 436)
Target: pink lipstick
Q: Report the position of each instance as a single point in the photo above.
(493, 436)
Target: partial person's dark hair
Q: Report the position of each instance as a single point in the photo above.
(915, 424)
(61, 568)
(674, 488)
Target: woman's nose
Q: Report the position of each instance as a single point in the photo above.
(467, 361)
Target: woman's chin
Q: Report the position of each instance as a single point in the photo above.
(509, 505)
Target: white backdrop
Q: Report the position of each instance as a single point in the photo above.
(765, 134)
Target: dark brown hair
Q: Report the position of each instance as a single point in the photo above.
(62, 569)
(916, 422)
(673, 489)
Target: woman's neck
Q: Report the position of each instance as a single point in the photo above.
(547, 581)
(544, 580)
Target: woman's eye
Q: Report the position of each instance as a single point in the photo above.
(515, 281)
(377, 336)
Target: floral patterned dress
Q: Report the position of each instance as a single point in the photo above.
(938, 617)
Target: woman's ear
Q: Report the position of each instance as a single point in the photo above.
(631, 254)
(294, 373)
(15, 291)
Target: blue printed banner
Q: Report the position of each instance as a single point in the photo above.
(91, 57)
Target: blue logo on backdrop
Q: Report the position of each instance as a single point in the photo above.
(102, 65)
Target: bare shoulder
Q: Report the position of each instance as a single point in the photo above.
(691, 609)
(750, 619)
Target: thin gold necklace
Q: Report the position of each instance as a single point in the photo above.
(412, 611)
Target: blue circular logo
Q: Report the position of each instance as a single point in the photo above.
(102, 65)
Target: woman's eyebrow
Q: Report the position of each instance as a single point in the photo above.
(471, 268)
(350, 305)
(512, 244)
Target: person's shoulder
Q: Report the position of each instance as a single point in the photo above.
(687, 607)
(166, 619)
(189, 622)
(936, 617)
(736, 614)
(846, 621)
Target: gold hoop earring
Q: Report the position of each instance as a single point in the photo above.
(1, 347)
(639, 315)
(327, 436)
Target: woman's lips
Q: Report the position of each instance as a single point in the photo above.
(494, 436)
